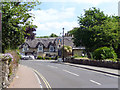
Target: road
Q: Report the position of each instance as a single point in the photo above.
(64, 76)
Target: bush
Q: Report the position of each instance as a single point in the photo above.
(43, 58)
(103, 53)
(13, 60)
(50, 58)
(75, 56)
(47, 58)
(39, 57)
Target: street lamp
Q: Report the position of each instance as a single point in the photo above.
(63, 44)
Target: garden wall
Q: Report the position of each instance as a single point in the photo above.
(5, 77)
(99, 63)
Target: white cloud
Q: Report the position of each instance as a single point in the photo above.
(53, 14)
(52, 20)
(55, 27)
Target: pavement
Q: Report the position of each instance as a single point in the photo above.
(26, 78)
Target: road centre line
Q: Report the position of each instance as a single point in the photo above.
(38, 80)
(44, 80)
(70, 72)
(95, 82)
(52, 66)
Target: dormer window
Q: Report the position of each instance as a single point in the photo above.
(51, 48)
(40, 48)
(25, 47)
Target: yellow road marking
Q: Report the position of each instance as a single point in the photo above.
(44, 80)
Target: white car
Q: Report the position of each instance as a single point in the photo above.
(31, 57)
(25, 57)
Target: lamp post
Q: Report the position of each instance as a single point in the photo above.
(63, 44)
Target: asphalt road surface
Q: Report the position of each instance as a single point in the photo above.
(65, 76)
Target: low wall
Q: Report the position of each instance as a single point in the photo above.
(5, 78)
(99, 63)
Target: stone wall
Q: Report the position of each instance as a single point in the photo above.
(99, 63)
(5, 78)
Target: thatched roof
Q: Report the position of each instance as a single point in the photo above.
(48, 41)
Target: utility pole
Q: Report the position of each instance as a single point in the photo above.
(63, 44)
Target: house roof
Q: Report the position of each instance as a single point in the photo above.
(48, 41)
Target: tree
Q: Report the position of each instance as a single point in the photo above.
(15, 20)
(53, 35)
(29, 33)
(96, 30)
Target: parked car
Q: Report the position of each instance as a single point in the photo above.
(31, 57)
(25, 57)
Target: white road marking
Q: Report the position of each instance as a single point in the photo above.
(97, 72)
(95, 82)
(38, 80)
(52, 66)
(71, 72)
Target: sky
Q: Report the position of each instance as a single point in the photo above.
(57, 14)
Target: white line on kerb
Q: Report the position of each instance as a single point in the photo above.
(71, 72)
(52, 66)
(95, 82)
(38, 80)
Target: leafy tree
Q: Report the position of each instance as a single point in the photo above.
(53, 35)
(96, 30)
(29, 33)
(43, 37)
(15, 20)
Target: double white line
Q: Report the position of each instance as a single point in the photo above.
(44, 80)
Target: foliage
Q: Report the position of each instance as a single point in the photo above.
(15, 56)
(15, 20)
(10, 71)
(29, 33)
(67, 51)
(43, 37)
(53, 35)
(96, 30)
(103, 53)
(39, 57)
(75, 56)
(7, 56)
(43, 58)
(13, 59)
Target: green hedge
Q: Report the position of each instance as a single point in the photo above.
(103, 53)
(39, 57)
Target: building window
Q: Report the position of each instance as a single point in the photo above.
(40, 48)
(51, 49)
(25, 48)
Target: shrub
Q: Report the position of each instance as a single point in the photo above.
(39, 57)
(103, 53)
(75, 56)
(47, 58)
(50, 58)
(43, 58)
(13, 60)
